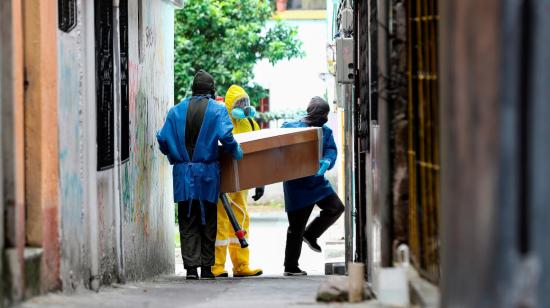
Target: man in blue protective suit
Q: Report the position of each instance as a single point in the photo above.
(190, 138)
(301, 195)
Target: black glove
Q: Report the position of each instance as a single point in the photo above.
(259, 193)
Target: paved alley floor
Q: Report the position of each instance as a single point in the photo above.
(267, 240)
(175, 291)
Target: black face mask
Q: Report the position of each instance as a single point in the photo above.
(317, 112)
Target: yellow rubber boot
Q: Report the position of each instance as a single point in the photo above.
(219, 267)
(222, 242)
(240, 257)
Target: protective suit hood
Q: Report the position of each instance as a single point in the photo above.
(238, 104)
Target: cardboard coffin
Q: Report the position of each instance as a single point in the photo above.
(272, 156)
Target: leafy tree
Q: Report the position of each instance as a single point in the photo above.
(226, 38)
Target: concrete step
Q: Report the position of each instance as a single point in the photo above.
(33, 261)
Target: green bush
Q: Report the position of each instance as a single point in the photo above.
(227, 38)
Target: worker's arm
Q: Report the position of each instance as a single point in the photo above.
(166, 138)
(330, 152)
(225, 129)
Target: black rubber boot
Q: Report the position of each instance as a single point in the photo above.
(206, 273)
(192, 274)
(312, 243)
(294, 271)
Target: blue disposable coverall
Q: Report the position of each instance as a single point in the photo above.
(306, 191)
(198, 179)
(196, 175)
(301, 195)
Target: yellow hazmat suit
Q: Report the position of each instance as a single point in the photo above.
(225, 236)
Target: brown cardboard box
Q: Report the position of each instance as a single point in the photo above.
(271, 156)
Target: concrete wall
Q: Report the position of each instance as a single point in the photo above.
(91, 233)
(76, 105)
(41, 144)
(13, 145)
(470, 104)
(147, 200)
(495, 70)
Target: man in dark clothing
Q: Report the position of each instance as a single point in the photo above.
(301, 195)
(190, 140)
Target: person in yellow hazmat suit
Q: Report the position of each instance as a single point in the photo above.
(241, 113)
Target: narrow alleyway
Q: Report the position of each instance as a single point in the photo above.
(175, 291)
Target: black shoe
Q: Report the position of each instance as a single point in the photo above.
(312, 243)
(206, 273)
(192, 274)
(294, 271)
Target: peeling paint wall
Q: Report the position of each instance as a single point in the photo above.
(41, 142)
(146, 179)
(88, 228)
(75, 81)
(12, 147)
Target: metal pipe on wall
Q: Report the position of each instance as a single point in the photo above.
(349, 173)
(117, 145)
(91, 152)
(2, 287)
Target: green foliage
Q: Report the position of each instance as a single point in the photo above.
(177, 240)
(176, 213)
(227, 38)
(256, 92)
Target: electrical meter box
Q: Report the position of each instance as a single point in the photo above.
(344, 60)
(346, 19)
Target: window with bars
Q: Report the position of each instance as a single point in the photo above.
(67, 15)
(105, 83)
(423, 148)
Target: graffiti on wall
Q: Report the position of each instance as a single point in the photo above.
(146, 178)
(146, 192)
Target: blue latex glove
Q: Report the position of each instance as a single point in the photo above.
(238, 154)
(324, 164)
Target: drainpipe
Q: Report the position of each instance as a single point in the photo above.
(117, 108)
(91, 146)
(345, 28)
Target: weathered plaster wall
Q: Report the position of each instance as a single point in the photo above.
(76, 79)
(13, 144)
(89, 231)
(147, 178)
(41, 144)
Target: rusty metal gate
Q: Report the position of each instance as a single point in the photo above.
(423, 149)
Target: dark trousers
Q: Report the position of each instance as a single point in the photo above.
(331, 209)
(197, 240)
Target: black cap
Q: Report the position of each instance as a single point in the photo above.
(203, 84)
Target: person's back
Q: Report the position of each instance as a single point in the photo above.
(197, 164)
(189, 138)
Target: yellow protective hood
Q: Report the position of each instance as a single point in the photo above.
(233, 94)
